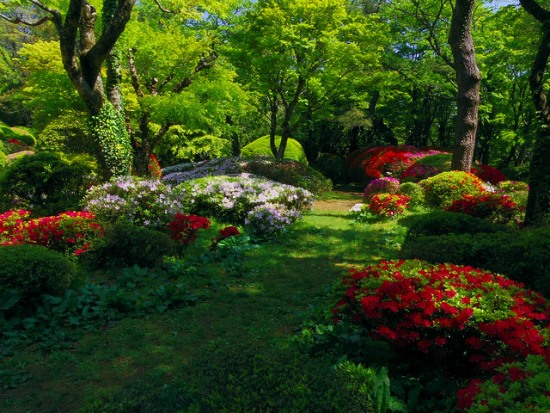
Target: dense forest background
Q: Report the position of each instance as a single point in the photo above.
(190, 80)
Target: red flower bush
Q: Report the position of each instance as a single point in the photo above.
(184, 228)
(488, 174)
(68, 232)
(388, 205)
(225, 233)
(372, 163)
(499, 208)
(473, 319)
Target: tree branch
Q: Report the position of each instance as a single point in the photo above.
(162, 9)
(18, 20)
(203, 64)
(535, 10)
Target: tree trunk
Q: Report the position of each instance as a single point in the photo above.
(468, 80)
(538, 203)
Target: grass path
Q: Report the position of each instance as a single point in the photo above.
(265, 305)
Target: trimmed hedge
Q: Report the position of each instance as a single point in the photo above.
(260, 147)
(522, 255)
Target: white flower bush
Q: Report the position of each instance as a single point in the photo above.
(177, 174)
(270, 218)
(145, 202)
(234, 199)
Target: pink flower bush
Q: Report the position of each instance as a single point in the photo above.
(489, 174)
(385, 185)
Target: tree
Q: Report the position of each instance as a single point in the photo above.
(538, 203)
(297, 54)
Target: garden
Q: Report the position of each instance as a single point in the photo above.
(274, 206)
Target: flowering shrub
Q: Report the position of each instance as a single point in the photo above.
(231, 198)
(137, 201)
(388, 205)
(488, 173)
(69, 232)
(441, 190)
(499, 208)
(426, 167)
(268, 219)
(385, 185)
(372, 163)
(472, 319)
(225, 233)
(184, 228)
(516, 387)
(512, 186)
(413, 191)
(284, 171)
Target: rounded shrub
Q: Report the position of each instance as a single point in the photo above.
(459, 320)
(385, 185)
(261, 147)
(125, 245)
(46, 183)
(427, 166)
(488, 173)
(68, 133)
(442, 189)
(33, 270)
(413, 191)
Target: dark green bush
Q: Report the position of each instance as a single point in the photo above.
(125, 245)
(261, 147)
(331, 166)
(33, 270)
(46, 183)
(443, 223)
(245, 379)
(68, 133)
(521, 255)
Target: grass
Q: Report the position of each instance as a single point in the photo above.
(265, 306)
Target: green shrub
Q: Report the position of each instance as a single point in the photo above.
(289, 172)
(46, 183)
(413, 191)
(261, 147)
(522, 255)
(331, 166)
(443, 223)
(442, 189)
(68, 133)
(125, 245)
(2, 158)
(33, 270)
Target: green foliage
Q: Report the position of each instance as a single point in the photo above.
(331, 166)
(443, 223)
(67, 133)
(46, 183)
(261, 147)
(28, 271)
(17, 133)
(522, 255)
(289, 172)
(115, 150)
(414, 192)
(246, 379)
(442, 189)
(125, 245)
(518, 387)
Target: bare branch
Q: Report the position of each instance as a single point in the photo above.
(18, 20)
(162, 9)
(133, 73)
(535, 10)
(203, 64)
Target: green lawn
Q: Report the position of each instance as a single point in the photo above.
(252, 311)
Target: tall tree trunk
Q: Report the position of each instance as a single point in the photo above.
(468, 80)
(538, 203)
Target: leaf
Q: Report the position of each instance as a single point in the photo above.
(9, 298)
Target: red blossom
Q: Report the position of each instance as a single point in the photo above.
(184, 228)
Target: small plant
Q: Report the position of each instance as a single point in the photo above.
(442, 189)
(184, 228)
(388, 205)
(385, 185)
(225, 233)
